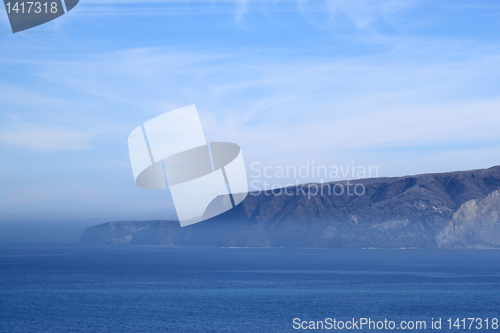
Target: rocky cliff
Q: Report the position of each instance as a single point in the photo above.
(430, 210)
(475, 224)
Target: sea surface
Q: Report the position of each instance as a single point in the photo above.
(175, 289)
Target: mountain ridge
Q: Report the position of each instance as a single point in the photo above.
(408, 211)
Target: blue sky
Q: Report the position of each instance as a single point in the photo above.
(407, 86)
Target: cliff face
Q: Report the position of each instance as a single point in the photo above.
(411, 211)
(475, 224)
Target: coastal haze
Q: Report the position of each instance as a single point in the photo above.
(456, 209)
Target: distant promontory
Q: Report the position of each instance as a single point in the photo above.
(448, 210)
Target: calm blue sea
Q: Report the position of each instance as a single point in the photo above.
(172, 289)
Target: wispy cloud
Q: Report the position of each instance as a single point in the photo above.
(363, 13)
(11, 94)
(45, 138)
(359, 103)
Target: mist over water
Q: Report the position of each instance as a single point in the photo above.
(43, 233)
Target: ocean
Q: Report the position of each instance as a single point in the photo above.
(176, 289)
